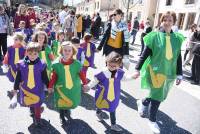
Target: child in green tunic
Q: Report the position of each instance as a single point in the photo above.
(160, 66)
(45, 51)
(65, 79)
(57, 43)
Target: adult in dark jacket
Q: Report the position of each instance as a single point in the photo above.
(135, 29)
(95, 29)
(196, 60)
(87, 24)
(5, 30)
(116, 38)
(147, 29)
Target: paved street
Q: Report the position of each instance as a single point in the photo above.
(179, 114)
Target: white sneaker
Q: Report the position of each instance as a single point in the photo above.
(116, 128)
(141, 108)
(154, 127)
(99, 116)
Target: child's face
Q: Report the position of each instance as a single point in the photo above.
(32, 55)
(17, 41)
(22, 25)
(113, 66)
(67, 52)
(77, 45)
(168, 21)
(89, 40)
(57, 28)
(41, 39)
(61, 37)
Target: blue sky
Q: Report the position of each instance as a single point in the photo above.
(69, 2)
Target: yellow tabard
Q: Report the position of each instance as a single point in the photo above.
(117, 42)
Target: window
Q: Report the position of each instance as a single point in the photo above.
(139, 15)
(97, 5)
(190, 20)
(132, 1)
(168, 2)
(140, 1)
(189, 2)
(130, 16)
(181, 19)
(198, 22)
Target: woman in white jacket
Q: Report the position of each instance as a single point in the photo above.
(69, 26)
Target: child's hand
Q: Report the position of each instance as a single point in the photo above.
(5, 68)
(13, 103)
(14, 92)
(86, 88)
(126, 62)
(50, 90)
(136, 74)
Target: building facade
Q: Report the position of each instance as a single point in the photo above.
(103, 7)
(187, 12)
(5, 2)
(142, 9)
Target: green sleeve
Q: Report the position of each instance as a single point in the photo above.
(48, 50)
(180, 37)
(148, 39)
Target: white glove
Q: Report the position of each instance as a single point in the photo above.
(5, 68)
(126, 62)
(13, 103)
(82, 58)
(45, 88)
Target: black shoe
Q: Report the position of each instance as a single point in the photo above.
(189, 78)
(195, 82)
(63, 121)
(32, 113)
(62, 117)
(188, 64)
(37, 122)
(67, 114)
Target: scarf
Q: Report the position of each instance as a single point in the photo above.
(120, 27)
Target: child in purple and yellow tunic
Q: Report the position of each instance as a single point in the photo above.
(30, 80)
(108, 86)
(15, 53)
(80, 55)
(89, 50)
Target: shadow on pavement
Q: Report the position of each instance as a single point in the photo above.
(87, 101)
(128, 100)
(45, 128)
(77, 126)
(168, 125)
(109, 131)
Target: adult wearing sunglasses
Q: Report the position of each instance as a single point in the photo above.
(116, 38)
